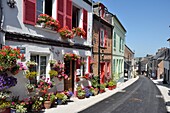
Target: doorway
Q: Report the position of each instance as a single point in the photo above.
(102, 70)
(70, 71)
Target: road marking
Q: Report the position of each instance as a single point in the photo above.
(159, 96)
(122, 91)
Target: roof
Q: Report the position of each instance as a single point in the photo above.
(129, 49)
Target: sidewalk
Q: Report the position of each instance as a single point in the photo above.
(164, 89)
(79, 105)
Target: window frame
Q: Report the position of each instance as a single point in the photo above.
(102, 42)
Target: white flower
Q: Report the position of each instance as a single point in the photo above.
(41, 98)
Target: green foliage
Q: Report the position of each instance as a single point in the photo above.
(102, 86)
(111, 83)
(94, 81)
(80, 92)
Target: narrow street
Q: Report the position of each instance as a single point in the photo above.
(141, 97)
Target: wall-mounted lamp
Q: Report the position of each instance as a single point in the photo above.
(102, 56)
(11, 3)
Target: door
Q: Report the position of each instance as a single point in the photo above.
(102, 75)
(69, 70)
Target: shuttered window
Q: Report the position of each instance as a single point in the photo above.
(64, 13)
(105, 38)
(85, 16)
(29, 13)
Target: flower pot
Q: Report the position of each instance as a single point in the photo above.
(47, 104)
(110, 87)
(81, 97)
(15, 72)
(102, 90)
(59, 101)
(12, 110)
(30, 90)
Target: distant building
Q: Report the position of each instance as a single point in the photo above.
(128, 62)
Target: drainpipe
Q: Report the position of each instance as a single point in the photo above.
(2, 32)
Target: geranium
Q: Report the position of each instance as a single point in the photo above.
(43, 18)
(44, 84)
(79, 31)
(65, 32)
(8, 57)
(59, 67)
(71, 56)
(31, 63)
(53, 24)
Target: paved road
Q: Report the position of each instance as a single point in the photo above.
(141, 97)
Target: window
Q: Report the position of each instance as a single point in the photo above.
(44, 7)
(75, 17)
(114, 39)
(102, 40)
(64, 12)
(120, 44)
(42, 64)
(29, 8)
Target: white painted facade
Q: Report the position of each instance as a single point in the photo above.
(118, 52)
(13, 22)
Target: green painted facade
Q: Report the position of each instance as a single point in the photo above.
(118, 50)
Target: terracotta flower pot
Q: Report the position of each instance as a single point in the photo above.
(102, 90)
(47, 104)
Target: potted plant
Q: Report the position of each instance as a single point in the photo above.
(52, 62)
(9, 57)
(53, 73)
(80, 93)
(111, 85)
(102, 88)
(30, 87)
(66, 33)
(15, 69)
(20, 108)
(42, 19)
(87, 92)
(37, 104)
(61, 98)
(4, 95)
(3, 106)
(79, 31)
(30, 75)
(31, 64)
(48, 100)
(53, 24)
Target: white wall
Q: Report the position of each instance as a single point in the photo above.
(13, 21)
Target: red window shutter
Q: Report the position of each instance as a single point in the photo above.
(78, 64)
(29, 12)
(89, 60)
(85, 21)
(69, 13)
(105, 38)
(60, 12)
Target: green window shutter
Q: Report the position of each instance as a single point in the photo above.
(115, 39)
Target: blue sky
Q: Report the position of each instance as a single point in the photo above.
(146, 21)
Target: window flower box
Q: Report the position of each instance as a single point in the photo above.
(79, 32)
(47, 22)
(66, 33)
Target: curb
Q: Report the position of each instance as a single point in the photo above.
(79, 105)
